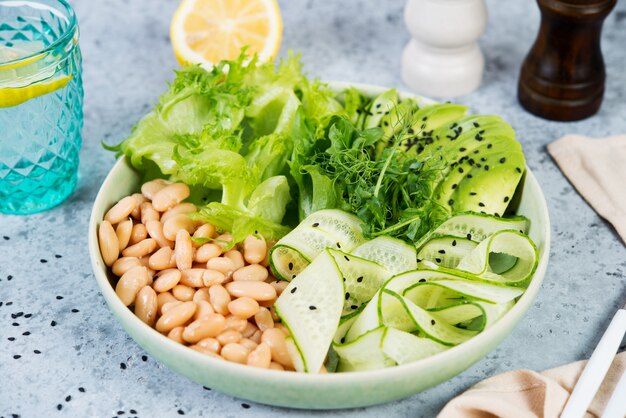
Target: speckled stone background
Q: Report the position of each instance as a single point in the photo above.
(63, 354)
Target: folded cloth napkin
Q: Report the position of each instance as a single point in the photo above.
(597, 169)
(528, 394)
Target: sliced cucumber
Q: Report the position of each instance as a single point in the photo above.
(403, 347)
(509, 243)
(460, 312)
(393, 254)
(323, 229)
(471, 289)
(344, 325)
(310, 307)
(418, 319)
(364, 353)
(476, 226)
(286, 262)
(446, 251)
(362, 279)
(367, 320)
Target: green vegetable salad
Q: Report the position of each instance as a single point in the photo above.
(398, 208)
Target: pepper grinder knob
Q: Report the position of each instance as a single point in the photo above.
(443, 58)
(563, 76)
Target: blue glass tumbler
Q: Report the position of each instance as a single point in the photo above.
(41, 97)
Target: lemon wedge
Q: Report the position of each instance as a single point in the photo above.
(208, 31)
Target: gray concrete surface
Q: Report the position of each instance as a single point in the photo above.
(86, 365)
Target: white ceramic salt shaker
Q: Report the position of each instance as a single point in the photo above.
(443, 58)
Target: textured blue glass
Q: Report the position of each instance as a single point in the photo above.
(40, 139)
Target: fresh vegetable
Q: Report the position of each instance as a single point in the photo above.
(264, 144)
(428, 309)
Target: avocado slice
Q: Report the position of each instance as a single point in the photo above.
(379, 107)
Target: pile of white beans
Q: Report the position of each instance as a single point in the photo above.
(217, 302)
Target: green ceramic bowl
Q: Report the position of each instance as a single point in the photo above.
(341, 390)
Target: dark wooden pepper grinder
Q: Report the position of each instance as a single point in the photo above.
(562, 77)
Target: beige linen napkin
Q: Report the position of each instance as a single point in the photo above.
(528, 394)
(597, 169)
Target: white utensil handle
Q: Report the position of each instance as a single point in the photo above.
(596, 368)
(616, 408)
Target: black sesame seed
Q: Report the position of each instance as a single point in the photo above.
(353, 307)
(17, 356)
(11, 338)
(53, 323)
(460, 169)
(206, 388)
(438, 260)
(9, 303)
(418, 260)
(181, 412)
(486, 168)
(454, 243)
(451, 202)
(385, 123)
(59, 297)
(43, 261)
(36, 351)
(502, 160)
(6, 238)
(347, 295)
(132, 411)
(26, 333)
(519, 170)
(59, 407)
(16, 324)
(442, 251)
(28, 315)
(378, 105)
(245, 406)
(315, 225)
(476, 125)
(144, 358)
(81, 389)
(9, 278)
(294, 289)
(312, 308)
(469, 176)
(343, 340)
(483, 159)
(346, 257)
(123, 366)
(68, 398)
(410, 131)
(454, 186)
(75, 310)
(293, 276)
(472, 193)
(58, 256)
(469, 236)
(359, 279)
(120, 412)
(506, 199)
(481, 204)
(421, 280)
(462, 149)
(432, 322)
(489, 146)
(290, 266)
(496, 214)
